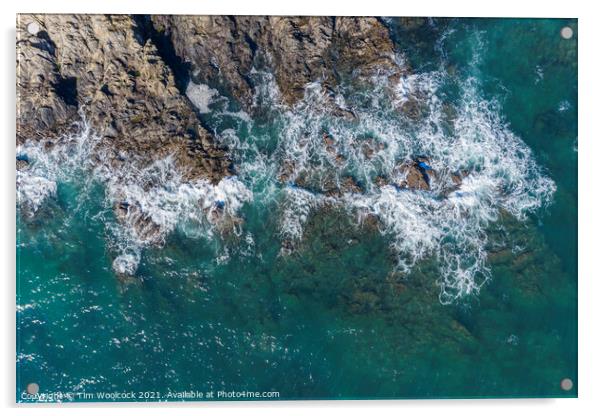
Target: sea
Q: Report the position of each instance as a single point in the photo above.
(285, 282)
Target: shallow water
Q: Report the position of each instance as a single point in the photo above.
(466, 294)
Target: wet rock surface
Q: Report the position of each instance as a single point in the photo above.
(414, 176)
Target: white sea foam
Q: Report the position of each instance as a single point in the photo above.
(33, 190)
(153, 200)
(539, 74)
(563, 106)
(297, 205)
(316, 154)
(127, 263)
(48, 164)
(318, 151)
(170, 201)
(201, 95)
(198, 208)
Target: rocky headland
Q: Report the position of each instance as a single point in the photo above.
(126, 78)
(126, 75)
(102, 68)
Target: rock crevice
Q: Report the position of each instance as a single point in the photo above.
(223, 50)
(121, 85)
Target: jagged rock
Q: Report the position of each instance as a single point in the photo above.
(349, 184)
(105, 66)
(414, 178)
(224, 49)
(22, 164)
(42, 108)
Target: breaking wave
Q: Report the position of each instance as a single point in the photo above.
(148, 201)
(46, 163)
(477, 167)
(354, 149)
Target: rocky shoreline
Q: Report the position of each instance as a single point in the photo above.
(222, 50)
(142, 85)
(102, 69)
(126, 74)
(126, 80)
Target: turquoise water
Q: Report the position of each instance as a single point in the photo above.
(337, 317)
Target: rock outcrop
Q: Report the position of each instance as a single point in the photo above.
(118, 72)
(223, 50)
(416, 174)
(44, 105)
(106, 69)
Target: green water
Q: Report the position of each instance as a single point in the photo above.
(332, 320)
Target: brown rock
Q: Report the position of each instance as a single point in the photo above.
(43, 106)
(414, 178)
(125, 91)
(299, 50)
(22, 164)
